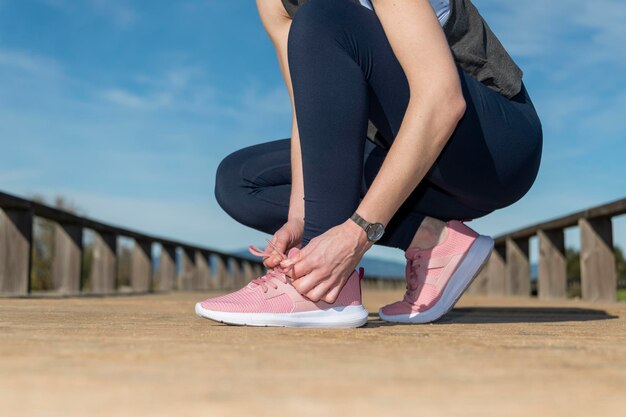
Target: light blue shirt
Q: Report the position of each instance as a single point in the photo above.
(441, 8)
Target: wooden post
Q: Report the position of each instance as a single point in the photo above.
(167, 268)
(517, 267)
(67, 258)
(104, 265)
(141, 266)
(259, 270)
(187, 277)
(236, 273)
(247, 271)
(597, 260)
(16, 236)
(552, 279)
(496, 271)
(221, 272)
(203, 271)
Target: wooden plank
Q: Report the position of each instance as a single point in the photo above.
(247, 271)
(496, 270)
(221, 272)
(104, 265)
(10, 202)
(167, 268)
(259, 270)
(141, 266)
(552, 279)
(517, 267)
(236, 273)
(597, 260)
(203, 271)
(611, 209)
(67, 258)
(187, 274)
(16, 236)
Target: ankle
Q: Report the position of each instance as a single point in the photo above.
(431, 233)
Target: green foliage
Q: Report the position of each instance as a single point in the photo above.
(42, 255)
(572, 258)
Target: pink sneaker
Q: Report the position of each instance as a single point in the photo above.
(437, 277)
(271, 300)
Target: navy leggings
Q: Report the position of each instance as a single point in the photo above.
(344, 72)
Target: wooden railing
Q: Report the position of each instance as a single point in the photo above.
(508, 270)
(197, 267)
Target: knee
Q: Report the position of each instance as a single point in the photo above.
(228, 181)
(312, 23)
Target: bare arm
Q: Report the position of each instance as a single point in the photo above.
(277, 23)
(435, 106)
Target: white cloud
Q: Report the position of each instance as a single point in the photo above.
(587, 33)
(24, 61)
(178, 88)
(125, 98)
(130, 100)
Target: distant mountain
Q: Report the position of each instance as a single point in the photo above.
(372, 265)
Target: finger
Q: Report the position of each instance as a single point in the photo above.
(331, 296)
(280, 244)
(273, 245)
(300, 268)
(307, 282)
(293, 259)
(319, 291)
(276, 258)
(274, 248)
(271, 261)
(300, 263)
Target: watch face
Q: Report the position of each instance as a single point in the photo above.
(375, 231)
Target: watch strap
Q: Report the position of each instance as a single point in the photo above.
(360, 221)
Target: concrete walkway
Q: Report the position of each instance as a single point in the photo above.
(150, 355)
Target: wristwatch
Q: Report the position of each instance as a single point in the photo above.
(374, 230)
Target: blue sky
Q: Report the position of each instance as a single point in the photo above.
(127, 107)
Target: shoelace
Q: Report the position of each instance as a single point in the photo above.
(277, 272)
(414, 271)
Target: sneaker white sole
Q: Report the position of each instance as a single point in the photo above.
(461, 278)
(337, 317)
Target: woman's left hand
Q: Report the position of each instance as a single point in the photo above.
(324, 265)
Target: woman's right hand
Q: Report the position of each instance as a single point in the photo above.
(285, 238)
